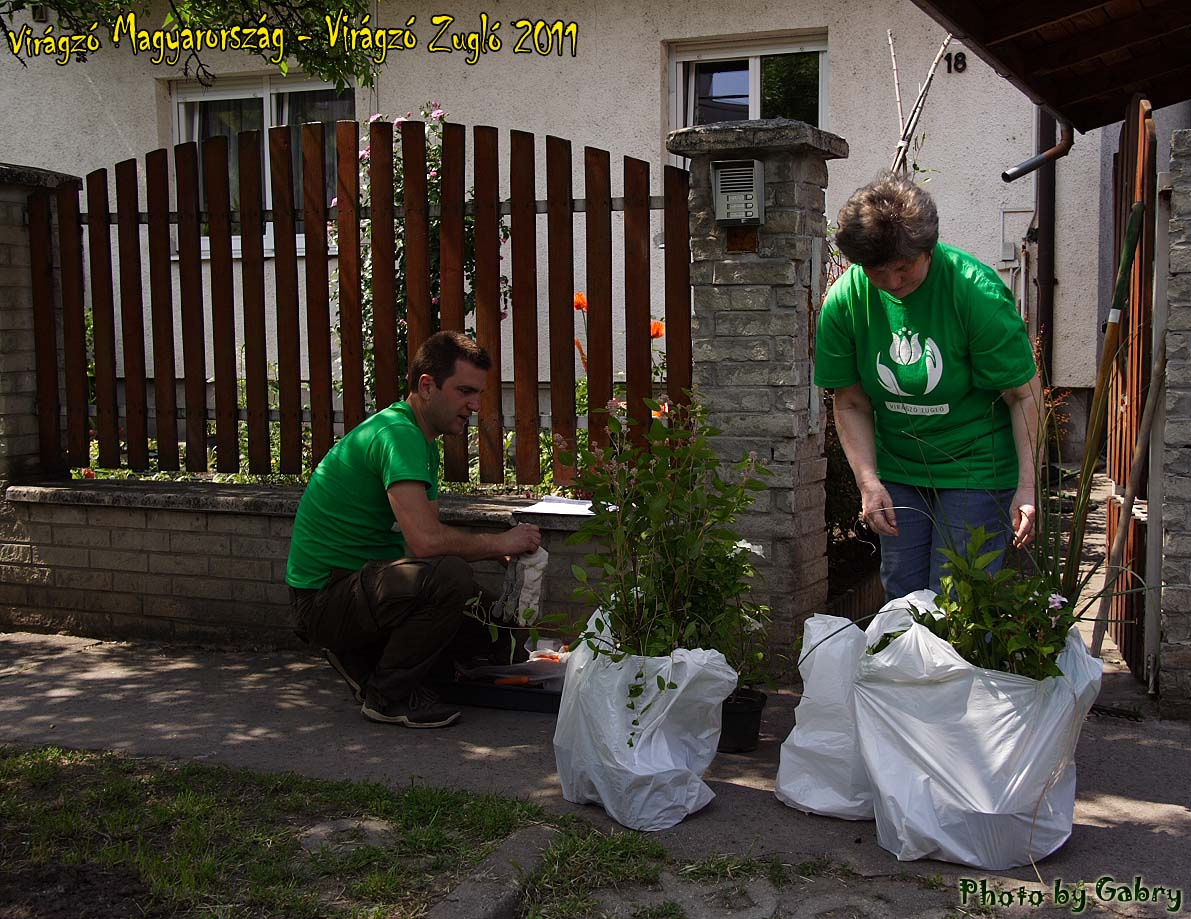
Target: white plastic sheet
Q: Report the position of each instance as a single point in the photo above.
(820, 769)
(965, 765)
(656, 782)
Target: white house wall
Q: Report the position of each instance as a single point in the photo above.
(615, 94)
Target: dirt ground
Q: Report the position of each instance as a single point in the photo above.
(73, 892)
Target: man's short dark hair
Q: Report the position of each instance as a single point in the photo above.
(888, 219)
(438, 355)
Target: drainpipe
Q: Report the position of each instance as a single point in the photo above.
(1044, 204)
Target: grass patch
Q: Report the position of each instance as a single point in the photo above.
(736, 867)
(667, 910)
(583, 860)
(183, 839)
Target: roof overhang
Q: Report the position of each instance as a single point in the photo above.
(1080, 59)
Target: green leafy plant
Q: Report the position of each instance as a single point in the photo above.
(1009, 620)
(671, 571)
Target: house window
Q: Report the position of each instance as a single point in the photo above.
(257, 105)
(735, 81)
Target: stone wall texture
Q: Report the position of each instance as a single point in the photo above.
(756, 294)
(1175, 649)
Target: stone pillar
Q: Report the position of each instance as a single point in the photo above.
(756, 293)
(1174, 653)
(19, 454)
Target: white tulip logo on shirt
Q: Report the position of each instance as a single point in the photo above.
(905, 350)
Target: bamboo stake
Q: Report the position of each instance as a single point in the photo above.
(1112, 334)
(897, 87)
(899, 157)
(1157, 372)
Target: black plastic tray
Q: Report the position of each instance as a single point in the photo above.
(485, 695)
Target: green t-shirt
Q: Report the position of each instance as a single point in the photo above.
(933, 364)
(344, 518)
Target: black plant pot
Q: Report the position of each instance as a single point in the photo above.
(741, 721)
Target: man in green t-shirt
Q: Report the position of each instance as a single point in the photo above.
(937, 400)
(376, 578)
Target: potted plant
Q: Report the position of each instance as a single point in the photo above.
(669, 578)
(741, 634)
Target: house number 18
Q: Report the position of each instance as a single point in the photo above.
(957, 62)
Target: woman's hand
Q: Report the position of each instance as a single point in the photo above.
(1022, 514)
(876, 508)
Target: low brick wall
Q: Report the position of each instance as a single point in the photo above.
(190, 562)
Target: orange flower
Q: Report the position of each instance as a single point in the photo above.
(580, 302)
(582, 355)
(657, 328)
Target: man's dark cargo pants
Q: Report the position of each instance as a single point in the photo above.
(395, 618)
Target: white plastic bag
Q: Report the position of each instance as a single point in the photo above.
(820, 769)
(970, 765)
(656, 782)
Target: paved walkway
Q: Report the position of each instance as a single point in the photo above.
(289, 712)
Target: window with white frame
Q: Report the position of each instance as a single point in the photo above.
(257, 104)
(739, 80)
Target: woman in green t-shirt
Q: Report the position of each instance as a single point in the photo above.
(937, 399)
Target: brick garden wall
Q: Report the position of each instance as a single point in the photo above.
(193, 562)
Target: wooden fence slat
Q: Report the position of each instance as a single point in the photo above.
(523, 229)
(285, 255)
(45, 353)
(103, 318)
(70, 248)
(386, 360)
(676, 232)
(217, 184)
(351, 335)
(450, 258)
(560, 232)
(190, 283)
(487, 290)
(161, 308)
(252, 279)
(318, 309)
(450, 266)
(638, 365)
(418, 315)
(132, 315)
(598, 193)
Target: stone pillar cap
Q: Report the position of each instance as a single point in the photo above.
(32, 176)
(765, 135)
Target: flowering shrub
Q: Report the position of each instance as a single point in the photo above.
(671, 570)
(1009, 620)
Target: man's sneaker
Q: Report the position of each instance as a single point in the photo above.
(421, 710)
(355, 681)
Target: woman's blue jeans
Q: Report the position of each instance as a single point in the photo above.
(932, 519)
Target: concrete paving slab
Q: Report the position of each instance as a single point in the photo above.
(290, 712)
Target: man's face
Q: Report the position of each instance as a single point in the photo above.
(452, 406)
(900, 277)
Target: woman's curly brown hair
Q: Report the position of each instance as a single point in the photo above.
(888, 219)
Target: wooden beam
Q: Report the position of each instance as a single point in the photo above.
(1029, 15)
(1143, 72)
(1161, 89)
(1151, 24)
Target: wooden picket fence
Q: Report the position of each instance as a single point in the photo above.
(127, 421)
